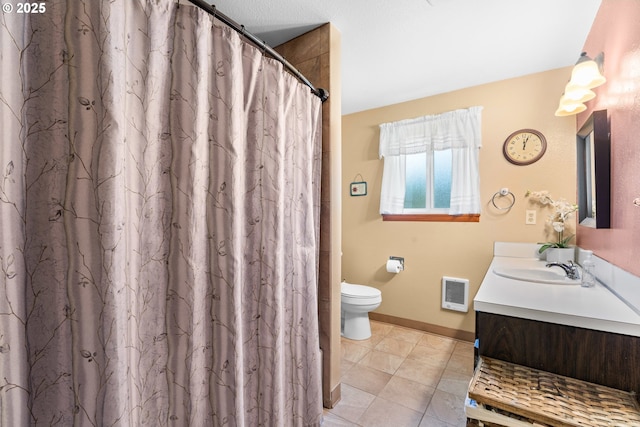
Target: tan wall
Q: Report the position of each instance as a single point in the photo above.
(435, 249)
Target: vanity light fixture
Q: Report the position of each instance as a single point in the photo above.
(586, 74)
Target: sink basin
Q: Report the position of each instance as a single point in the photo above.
(553, 275)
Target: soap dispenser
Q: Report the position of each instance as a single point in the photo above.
(588, 272)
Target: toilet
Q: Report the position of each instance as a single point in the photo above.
(356, 303)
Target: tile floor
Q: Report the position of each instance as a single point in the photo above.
(402, 377)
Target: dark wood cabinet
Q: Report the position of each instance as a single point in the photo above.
(599, 357)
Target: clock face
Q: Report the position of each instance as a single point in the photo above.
(524, 147)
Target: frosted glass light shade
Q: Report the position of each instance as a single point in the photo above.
(568, 107)
(586, 73)
(577, 94)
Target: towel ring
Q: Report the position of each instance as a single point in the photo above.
(504, 192)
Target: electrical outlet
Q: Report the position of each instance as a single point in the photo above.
(530, 217)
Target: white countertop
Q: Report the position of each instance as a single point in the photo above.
(591, 308)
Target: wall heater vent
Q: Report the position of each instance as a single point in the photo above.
(455, 294)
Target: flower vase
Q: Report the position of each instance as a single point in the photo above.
(561, 255)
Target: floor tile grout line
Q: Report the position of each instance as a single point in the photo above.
(414, 344)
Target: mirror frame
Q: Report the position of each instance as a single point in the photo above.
(598, 125)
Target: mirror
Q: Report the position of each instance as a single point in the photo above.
(594, 191)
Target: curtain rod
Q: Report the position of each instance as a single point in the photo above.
(211, 9)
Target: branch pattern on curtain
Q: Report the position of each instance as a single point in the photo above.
(159, 211)
(458, 130)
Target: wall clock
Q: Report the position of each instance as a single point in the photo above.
(524, 146)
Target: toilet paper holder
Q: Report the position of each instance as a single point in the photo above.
(398, 258)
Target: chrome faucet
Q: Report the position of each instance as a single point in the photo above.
(569, 268)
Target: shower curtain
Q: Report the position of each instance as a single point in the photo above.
(159, 222)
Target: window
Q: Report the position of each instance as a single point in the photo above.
(415, 197)
(431, 165)
(428, 183)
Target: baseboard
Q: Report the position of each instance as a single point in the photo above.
(422, 326)
(336, 394)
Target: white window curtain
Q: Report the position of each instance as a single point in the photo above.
(458, 130)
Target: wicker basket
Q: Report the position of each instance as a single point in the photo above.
(548, 399)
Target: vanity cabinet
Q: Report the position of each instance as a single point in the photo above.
(600, 357)
(590, 334)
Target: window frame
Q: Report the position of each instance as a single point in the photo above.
(430, 214)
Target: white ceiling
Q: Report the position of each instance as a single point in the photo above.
(395, 51)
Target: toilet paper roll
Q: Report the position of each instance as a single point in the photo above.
(394, 266)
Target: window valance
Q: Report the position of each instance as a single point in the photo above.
(453, 129)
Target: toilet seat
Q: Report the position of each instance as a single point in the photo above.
(363, 291)
(359, 294)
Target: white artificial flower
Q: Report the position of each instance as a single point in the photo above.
(562, 211)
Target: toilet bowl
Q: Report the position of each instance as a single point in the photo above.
(356, 303)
